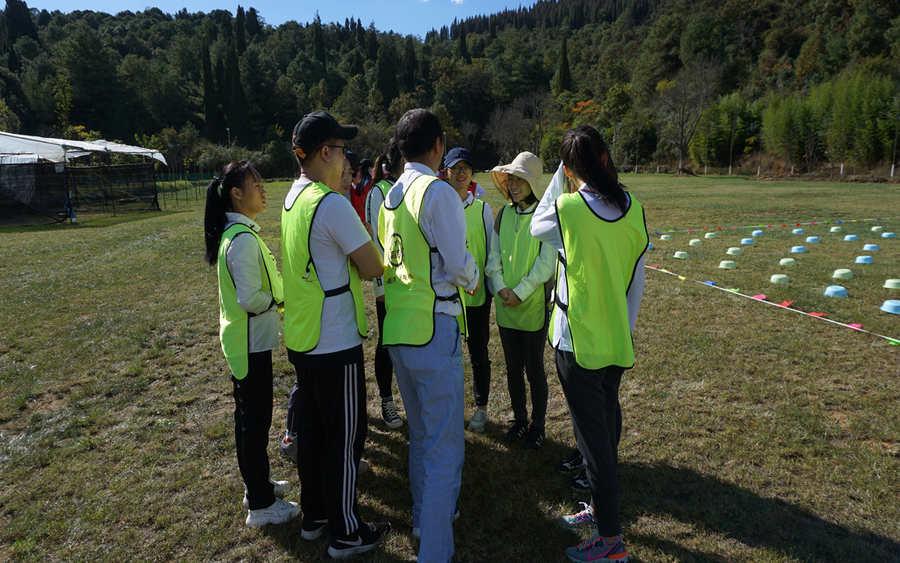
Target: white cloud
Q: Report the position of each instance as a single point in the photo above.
(457, 1)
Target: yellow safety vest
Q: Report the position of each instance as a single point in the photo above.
(304, 294)
(599, 264)
(518, 251)
(234, 321)
(409, 295)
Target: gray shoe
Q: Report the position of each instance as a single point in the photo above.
(479, 419)
(389, 414)
(280, 512)
(280, 487)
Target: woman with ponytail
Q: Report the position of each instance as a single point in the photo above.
(250, 292)
(599, 231)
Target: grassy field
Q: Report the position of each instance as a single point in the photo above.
(751, 433)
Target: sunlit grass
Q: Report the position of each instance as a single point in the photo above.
(751, 433)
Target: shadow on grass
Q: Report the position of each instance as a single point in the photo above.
(766, 524)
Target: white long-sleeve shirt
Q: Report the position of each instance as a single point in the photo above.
(245, 262)
(443, 223)
(545, 227)
(541, 270)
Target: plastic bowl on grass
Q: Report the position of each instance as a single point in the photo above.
(734, 251)
(710, 235)
(798, 249)
(850, 238)
(891, 306)
(864, 260)
(746, 241)
(835, 291)
(665, 237)
(871, 248)
(797, 232)
(892, 284)
(681, 255)
(649, 246)
(779, 278)
(877, 229)
(790, 262)
(837, 229)
(727, 265)
(887, 235)
(842, 274)
(812, 239)
(695, 242)
(756, 234)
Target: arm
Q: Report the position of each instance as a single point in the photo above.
(373, 211)
(488, 218)
(541, 271)
(444, 218)
(544, 224)
(635, 293)
(245, 264)
(368, 261)
(494, 265)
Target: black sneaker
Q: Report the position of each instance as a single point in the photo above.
(579, 483)
(359, 542)
(312, 529)
(572, 463)
(533, 439)
(515, 431)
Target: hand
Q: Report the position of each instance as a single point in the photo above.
(380, 298)
(368, 227)
(476, 288)
(512, 299)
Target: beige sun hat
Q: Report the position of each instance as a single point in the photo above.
(526, 166)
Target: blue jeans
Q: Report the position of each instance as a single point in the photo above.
(430, 379)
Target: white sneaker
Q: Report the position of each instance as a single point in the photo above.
(478, 420)
(281, 487)
(281, 511)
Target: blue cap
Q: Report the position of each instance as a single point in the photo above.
(456, 155)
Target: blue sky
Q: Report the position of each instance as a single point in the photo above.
(406, 17)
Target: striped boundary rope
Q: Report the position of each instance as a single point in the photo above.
(828, 222)
(857, 328)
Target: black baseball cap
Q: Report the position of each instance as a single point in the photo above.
(316, 128)
(456, 155)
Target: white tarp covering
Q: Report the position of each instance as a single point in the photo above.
(60, 150)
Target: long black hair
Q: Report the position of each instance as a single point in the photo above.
(392, 159)
(218, 202)
(582, 151)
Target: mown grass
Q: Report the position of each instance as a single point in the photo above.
(751, 433)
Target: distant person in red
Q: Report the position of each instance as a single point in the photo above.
(362, 183)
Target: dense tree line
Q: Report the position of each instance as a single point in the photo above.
(776, 83)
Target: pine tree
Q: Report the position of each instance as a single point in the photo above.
(319, 40)
(463, 49)
(385, 72)
(236, 99)
(372, 43)
(240, 39)
(209, 95)
(254, 27)
(410, 65)
(563, 75)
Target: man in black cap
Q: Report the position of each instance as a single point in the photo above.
(325, 251)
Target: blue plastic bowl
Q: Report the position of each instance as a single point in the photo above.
(891, 306)
(871, 248)
(757, 233)
(887, 235)
(835, 291)
(797, 231)
(746, 241)
(798, 249)
(851, 238)
(812, 239)
(864, 260)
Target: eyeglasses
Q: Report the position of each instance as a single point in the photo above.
(461, 170)
(343, 148)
